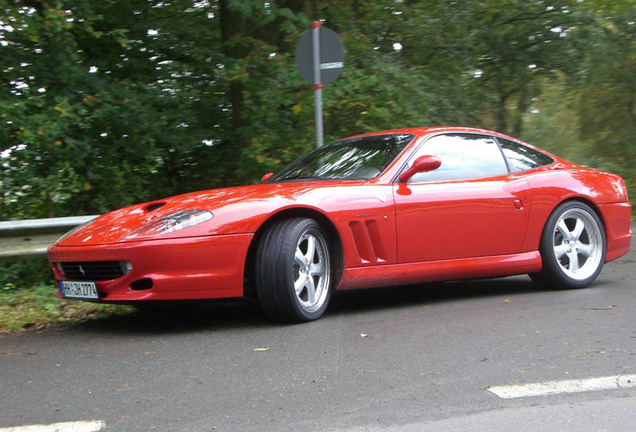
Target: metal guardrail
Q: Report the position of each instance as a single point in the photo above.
(28, 239)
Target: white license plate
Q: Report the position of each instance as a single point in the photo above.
(80, 290)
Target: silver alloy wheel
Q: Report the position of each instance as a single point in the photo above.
(578, 244)
(312, 271)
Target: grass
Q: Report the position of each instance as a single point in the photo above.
(37, 307)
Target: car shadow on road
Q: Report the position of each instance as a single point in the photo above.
(181, 317)
(430, 294)
(223, 315)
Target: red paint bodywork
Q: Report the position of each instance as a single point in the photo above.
(389, 232)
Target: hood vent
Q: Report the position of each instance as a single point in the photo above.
(154, 206)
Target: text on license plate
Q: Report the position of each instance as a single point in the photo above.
(83, 290)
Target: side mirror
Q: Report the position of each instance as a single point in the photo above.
(421, 165)
(266, 177)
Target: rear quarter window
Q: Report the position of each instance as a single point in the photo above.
(523, 158)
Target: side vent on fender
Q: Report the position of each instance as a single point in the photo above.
(367, 240)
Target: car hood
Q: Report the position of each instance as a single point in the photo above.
(236, 210)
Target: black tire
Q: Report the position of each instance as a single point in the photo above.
(572, 247)
(294, 252)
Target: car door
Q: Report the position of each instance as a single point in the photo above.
(471, 206)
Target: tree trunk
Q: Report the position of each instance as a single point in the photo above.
(502, 113)
(232, 25)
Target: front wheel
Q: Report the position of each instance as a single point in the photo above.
(572, 247)
(294, 271)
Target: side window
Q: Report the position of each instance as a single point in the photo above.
(522, 158)
(464, 156)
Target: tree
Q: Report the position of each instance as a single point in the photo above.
(107, 103)
(607, 94)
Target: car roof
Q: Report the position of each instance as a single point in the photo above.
(420, 131)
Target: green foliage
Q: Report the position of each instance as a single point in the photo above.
(36, 307)
(104, 104)
(19, 275)
(590, 117)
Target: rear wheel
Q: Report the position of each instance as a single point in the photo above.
(572, 247)
(294, 271)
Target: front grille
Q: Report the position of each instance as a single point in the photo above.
(94, 270)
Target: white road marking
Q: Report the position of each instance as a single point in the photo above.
(79, 426)
(567, 386)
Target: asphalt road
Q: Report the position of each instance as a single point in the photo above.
(402, 359)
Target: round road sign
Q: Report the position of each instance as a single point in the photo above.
(331, 56)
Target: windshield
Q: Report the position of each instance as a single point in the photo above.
(351, 159)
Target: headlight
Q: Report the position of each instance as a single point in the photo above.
(172, 223)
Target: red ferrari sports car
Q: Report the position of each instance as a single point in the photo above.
(395, 207)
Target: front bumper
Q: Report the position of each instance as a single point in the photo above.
(180, 269)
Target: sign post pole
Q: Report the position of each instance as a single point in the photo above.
(319, 59)
(315, 33)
